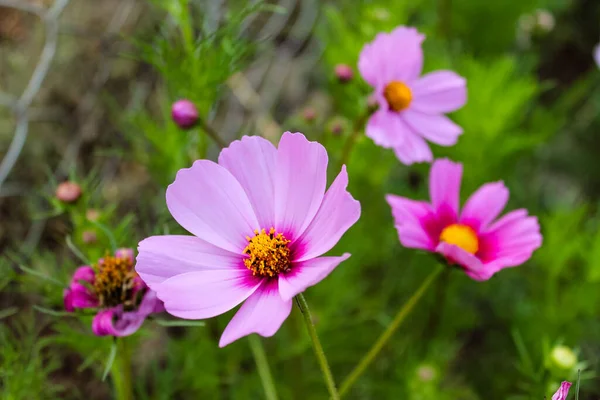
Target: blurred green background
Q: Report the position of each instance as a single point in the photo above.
(102, 119)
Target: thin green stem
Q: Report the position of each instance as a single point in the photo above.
(387, 334)
(121, 371)
(357, 128)
(210, 131)
(327, 376)
(258, 351)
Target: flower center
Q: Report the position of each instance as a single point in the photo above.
(114, 282)
(398, 95)
(462, 236)
(268, 253)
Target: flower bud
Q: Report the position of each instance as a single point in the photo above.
(563, 358)
(89, 237)
(337, 126)
(344, 73)
(426, 372)
(184, 114)
(68, 192)
(309, 114)
(545, 20)
(92, 214)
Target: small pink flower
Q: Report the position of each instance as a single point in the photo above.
(113, 287)
(411, 107)
(261, 220)
(184, 113)
(473, 238)
(562, 392)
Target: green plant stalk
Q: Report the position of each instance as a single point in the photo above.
(258, 351)
(327, 376)
(357, 128)
(387, 334)
(121, 371)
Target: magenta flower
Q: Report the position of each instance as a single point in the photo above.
(113, 287)
(473, 238)
(184, 113)
(411, 107)
(261, 220)
(562, 392)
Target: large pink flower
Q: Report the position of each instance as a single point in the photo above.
(261, 219)
(470, 238)
(411, 107)
(112, 286)
(562, 392)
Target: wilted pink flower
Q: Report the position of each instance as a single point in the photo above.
(597, 55)
(184, 113)
(473, 238)
(68, 192)
(562, 392)
(112, 286)
(344, 72)
(261, 219)
(411, 108)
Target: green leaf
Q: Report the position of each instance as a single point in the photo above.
(110, 360)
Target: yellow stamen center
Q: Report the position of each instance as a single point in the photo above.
(462, 236)
(398, 95)
(268, 253)
(114, 281)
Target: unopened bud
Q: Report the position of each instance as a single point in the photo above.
(545, 20)
(309, 114)
(68, 192)
(344, 73)
(184, 113)
(92, 215)
(337, 126)
(89, 237)
(426, 373)
(563, 357)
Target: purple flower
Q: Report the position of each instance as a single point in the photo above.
(473, 237)
(411, 107)
(113, 287)
(184, 113)
(261, 220)
(562, 392)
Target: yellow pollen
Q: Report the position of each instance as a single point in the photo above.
(398, 95)
(114, 281)
(268, 253)
(462, 236)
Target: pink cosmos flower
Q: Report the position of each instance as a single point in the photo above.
(562, 392)
(112, 286)
(411, 107)
(473, 238)
(261, 220)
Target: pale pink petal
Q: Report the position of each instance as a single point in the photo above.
(261, 313)
(436, 128)
(205, 294)
(300, 181)
(125, 253)
(251, 161)
(307, 273)
(456, 255)
(386, 129)
(127, 323)
(413, 149)
(413, 220)
(444, 184)
(484, 205)
(439, 92)
(162, 257)
(210, 203)
(562, 392)
(338, 212)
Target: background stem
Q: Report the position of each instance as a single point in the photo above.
(121, 371)
(258, 351)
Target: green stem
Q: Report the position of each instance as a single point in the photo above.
(258, 351)
(444, 17)
(210, 131)
(357, 128)
(121, 371)
(387, 334)
(303, 306)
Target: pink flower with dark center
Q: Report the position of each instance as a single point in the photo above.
(562, 392)
(411, 107)
(261, 220)
(113, 287)
(472, 238)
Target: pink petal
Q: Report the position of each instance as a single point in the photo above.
(300, 180)
(127, 323)
(386, 129)
(261, 313)
(125, 253)
(439, 92)
(307, 273)
(413, 149)
(205, 294)
(78, 294)
(412, 218)
(597, 55)
(444, 185)
(162, 257)
(436, 128)
(252, 162)
(484, 205)
(210, 203)
(338, 212)
(102, 324)
(562, 392)
(468, 261)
